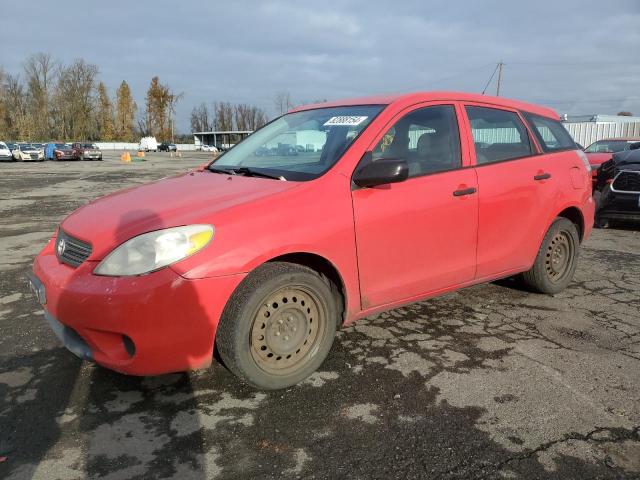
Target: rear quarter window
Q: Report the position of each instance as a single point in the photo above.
(550, 133)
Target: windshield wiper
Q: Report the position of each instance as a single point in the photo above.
(221, 170)
(246, 171)
(255, 173)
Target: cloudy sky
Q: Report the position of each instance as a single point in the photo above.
(577, 56)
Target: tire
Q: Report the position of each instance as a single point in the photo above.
(278, 326)
(557, 259)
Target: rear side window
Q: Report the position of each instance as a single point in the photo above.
(498, 135)
(550, 133)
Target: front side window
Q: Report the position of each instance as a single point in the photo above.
(498, 135)
(299, 146)
(427, 139)
(550, 133)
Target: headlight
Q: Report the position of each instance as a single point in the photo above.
(155, 250)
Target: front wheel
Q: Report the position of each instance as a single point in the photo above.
(279, 325)
(557, 259)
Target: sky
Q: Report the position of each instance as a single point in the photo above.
(576, 56)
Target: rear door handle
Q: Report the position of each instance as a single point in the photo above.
(466, 191)
(542, 176)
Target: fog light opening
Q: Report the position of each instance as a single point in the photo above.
(129, 346)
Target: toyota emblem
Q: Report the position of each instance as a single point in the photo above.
(61, 246)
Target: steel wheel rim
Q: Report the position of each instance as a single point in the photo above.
(559, 256)
(287, 330)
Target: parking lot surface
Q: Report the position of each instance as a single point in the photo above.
(488, 382)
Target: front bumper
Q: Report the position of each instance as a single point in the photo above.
(65, 156)
(147, 325)
(618, 205)
(92, 156)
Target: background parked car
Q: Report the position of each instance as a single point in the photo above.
(167, 147)
(602, 150)
(617, 194)
(86, 151)
(148, 144)
(5, 153)
(27, 152)
(209, 148)
(58, 151)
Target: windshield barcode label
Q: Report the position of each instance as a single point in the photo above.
(345, 120)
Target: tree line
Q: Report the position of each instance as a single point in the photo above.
(49, 100)
(225, 116)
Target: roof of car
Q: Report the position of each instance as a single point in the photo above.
(416, 97)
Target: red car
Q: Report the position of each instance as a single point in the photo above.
(86, 151)
(602, 150)
(391, 200)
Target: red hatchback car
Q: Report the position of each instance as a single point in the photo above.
(327, 214)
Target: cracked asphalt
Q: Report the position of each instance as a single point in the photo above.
(488, 382)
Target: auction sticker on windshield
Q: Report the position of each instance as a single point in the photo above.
(345, 120)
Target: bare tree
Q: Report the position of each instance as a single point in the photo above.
(200, 119)
(249, 117)
(40, 72)
(75, 100)
(283, 102)
(223, 116)
(15, 112)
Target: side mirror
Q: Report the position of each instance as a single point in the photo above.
(381, 172)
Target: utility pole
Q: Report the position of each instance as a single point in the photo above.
(500, 65)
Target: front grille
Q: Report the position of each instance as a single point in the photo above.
(34, 156)
(627, 182)
(70, 250)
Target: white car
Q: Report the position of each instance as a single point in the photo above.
(5, 153)
(147, 144)
(209, 148)
(27, 152)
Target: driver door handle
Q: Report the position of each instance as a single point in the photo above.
(542, 176)
(466, 191)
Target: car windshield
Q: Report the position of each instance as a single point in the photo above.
(60, 145)
(299, 146)
(87, 145)
(609, 146)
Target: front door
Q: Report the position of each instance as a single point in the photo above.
(418, 236)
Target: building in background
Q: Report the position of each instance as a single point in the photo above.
(586, 129)
(220, 139)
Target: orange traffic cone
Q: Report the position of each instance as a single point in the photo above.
(125, 157)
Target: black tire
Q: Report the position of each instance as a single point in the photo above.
(557, 259)
(272, 344)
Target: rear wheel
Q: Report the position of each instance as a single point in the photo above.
(279, 325)
(557, 259)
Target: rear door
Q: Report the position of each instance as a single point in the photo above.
(516, 187)
(418, 236)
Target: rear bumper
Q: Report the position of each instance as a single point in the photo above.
(147, 325)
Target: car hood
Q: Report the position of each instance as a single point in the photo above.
(628, 160)
(596, 159)
(193, 197)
